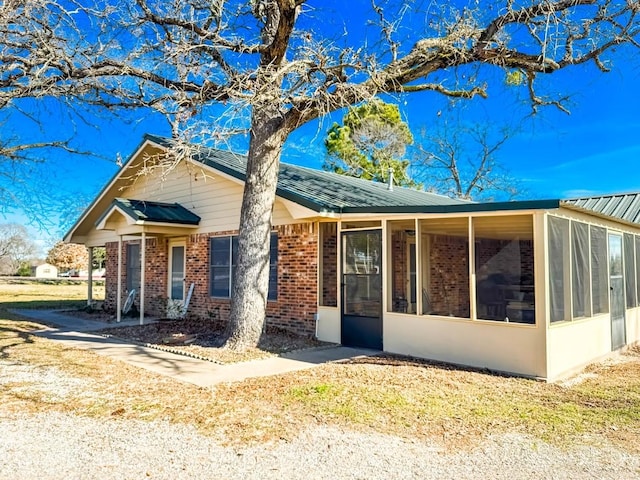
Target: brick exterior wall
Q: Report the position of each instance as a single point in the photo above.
(399, 265)
(296, 305)
(504, 259)
(449, 275)
(329, 235)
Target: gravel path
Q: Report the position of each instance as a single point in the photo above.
(61, 446)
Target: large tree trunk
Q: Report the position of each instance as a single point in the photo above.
(249, 297)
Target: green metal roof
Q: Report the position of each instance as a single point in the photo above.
(323, 191)
(142, 210)
(625, 207)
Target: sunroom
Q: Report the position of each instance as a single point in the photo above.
(534, 288)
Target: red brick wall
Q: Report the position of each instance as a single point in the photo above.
(294, 309)
(329, 264)
(449, 275)
(508, 263)
(399, 264)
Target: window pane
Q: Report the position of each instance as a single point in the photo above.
(445, 267)
(558, 268)
(220, 282)
(580, 269)
(599, 276)
(220, 258)
(630, 270)
(504, 268)
(177, 273)
(329, 257)
(133, 266)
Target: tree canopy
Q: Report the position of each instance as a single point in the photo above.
(68, 256)
(371, 141)
(269, 66)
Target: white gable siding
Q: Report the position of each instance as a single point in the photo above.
(210, 195)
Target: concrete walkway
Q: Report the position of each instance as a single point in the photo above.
(74, 332)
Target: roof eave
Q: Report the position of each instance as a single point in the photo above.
(571, 206)
(147, 140)
(458, 207)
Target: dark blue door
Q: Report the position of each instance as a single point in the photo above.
(362, 289)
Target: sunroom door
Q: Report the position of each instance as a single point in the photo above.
(362, 289)
(616, 285)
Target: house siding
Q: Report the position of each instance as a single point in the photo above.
(295, 308)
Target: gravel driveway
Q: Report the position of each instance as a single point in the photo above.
(61, 446)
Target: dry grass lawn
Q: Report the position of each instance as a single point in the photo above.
(388, 394)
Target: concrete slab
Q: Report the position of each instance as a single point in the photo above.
(74, 332)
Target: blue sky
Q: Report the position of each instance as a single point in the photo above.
(594, 150)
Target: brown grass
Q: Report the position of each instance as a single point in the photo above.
(390, 395)
(206, 339)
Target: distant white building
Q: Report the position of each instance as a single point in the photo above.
(46, 270)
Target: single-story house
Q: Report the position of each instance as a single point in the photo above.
(536, 288)
(46, 270)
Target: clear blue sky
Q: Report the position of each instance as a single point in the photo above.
(595, 150)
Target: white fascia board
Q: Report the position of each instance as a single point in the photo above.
(107, 188)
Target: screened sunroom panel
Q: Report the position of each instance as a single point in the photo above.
(580, 288)
(629, 270)
(599, 272)
(559, 279)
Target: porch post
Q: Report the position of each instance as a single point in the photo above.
(90, 278)
(119, 287)
(419, 287)
(143, 248)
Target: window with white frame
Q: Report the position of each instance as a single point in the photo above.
(223, 253)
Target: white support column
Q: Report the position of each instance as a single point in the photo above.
(473, 311)
(419, 287)
(143, 248)
(90, 278)
(119, 282)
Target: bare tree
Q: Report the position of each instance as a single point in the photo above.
(459, 159)
(273, 65)
(15, 247)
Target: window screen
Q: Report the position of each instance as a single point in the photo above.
(599, 274)
(580, 275)
(637, 270)
(329, 257)
(559, 280)
(630, 270)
